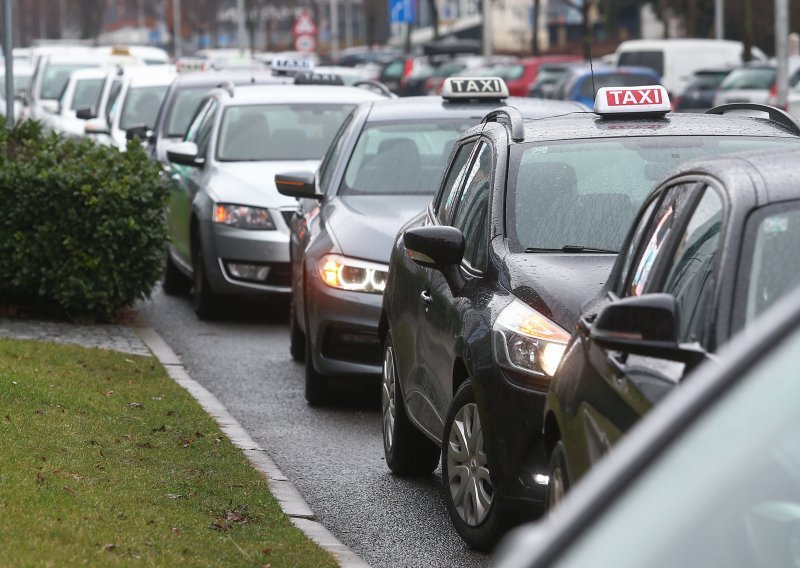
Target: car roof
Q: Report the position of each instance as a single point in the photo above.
(415, 108)
(90, 73)
(260, 94)
(151, 79)
(237, 77)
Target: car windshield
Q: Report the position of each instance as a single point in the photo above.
(705, 81)
(548, 75)
(774, 263)
(585, 193)
(87, 93)
(183, 110)
(141, 106)
(273, 132)
(56, 77)
(588, 89)
(405, 158)
(749, 78)
(653, 59)
(724, 494)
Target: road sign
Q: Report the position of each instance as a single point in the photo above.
(401, 11)
(305, 43)
(304, 25)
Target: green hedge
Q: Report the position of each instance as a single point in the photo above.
(82, 226)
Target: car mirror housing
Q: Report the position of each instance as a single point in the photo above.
(184, 153)
(440, 248)
(301, 185)
(645, 325)
(85, 113)
(140, 131)
(96, 126)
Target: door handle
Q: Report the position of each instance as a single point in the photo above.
(426, 298)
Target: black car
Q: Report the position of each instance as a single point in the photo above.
(712, 247)
(699, 93)
(710, 478)
(486, 285)
(382, 168)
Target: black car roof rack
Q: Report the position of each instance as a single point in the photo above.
(775, 114)
(514, 117)
(376, 85)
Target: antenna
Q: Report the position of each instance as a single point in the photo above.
(591, 67)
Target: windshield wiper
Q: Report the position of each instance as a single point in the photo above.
(572, 249)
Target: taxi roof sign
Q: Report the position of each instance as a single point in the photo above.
(644, 100)
(493, 88)
(291, 65)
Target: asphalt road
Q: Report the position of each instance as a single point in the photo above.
(334, 455)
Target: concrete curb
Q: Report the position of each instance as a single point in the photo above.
(289, 498)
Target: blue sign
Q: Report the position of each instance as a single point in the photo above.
(401, 11)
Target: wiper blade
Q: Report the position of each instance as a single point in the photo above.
(579, 248)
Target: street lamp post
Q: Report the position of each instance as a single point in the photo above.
(487, 28)
(719, 19)
(782, 51)
(8, 51)
(241, 32)
(176, 27)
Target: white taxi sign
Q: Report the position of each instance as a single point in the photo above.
(286, 65)
(650, 99)
(474, 88)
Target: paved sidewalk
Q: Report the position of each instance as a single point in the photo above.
(105, 336)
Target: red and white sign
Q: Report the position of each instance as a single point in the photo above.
(304, 25)
(630, 100)
(305, 43)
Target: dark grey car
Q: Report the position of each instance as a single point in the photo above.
(382, 168)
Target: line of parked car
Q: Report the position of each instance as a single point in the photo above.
(526, 278)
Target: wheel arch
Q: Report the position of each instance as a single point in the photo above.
(551, 432)
(460, 374)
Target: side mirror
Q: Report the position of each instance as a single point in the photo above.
(96, 126)
(140, 131)
(440, 248)
(85, 113)
(645, 325)
(50, 106)
(185, 153)
(302, 185)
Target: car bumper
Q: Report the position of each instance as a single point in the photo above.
(343, 328)
(224, 245)
(512, 419)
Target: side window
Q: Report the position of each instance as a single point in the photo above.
(472, 208)
(692, 275)
(638, 233)
(651, 247)
(331, 157)
(203, 137)
(452, 183)
(113, 94)
(194, 126)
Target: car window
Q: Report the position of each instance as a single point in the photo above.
(328, 165)
(724, 494)
(654, 59)
(452, 183)
(772, 259)
(87, 93)
(472, 208)
(184, 106)
(393, 70)
(760, 78)
(141, 106)
(205, 129)
(588, 89)
(693, 271)
(56, 77)
(191, 132)
(629, 254)
(655, 239)
(303, 131)
(401, 158)
(113, 95)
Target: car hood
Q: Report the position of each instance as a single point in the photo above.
(365, 226)
(557, 285)
(253, 183)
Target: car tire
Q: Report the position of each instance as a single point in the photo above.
(204, 299)
(175, 282)
(558, 482)
(407, 450)
(316, 383)
(469, 493)
(297, 339)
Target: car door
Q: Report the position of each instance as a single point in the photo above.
(443, 312)
(421, 390)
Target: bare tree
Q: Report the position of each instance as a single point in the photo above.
(90, 18)
(584, 7)
(254, 17)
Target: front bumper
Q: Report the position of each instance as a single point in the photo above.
(343, 329)
(223, 245)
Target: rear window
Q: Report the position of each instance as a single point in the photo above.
(401, 159)
(653, 59)
(613, 80)
(760, 78)
(585, 193)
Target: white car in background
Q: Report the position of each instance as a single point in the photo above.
(23, 73)
(83, 92)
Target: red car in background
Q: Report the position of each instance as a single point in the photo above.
(520, 74)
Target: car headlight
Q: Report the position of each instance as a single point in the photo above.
(526, 341)
(352, 274)
(243, 217)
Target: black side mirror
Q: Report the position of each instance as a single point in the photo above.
(140, 131)
(301, 185)
(85, 113)
(644, 325)
(440, 248)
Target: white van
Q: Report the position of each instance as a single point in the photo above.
(676, 59)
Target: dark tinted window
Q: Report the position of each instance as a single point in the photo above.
(653, 59)
(455, 177)
(749, 78)
(333, 154)
(472, 208)
(692, 274)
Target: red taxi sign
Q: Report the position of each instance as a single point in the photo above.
(649, 99)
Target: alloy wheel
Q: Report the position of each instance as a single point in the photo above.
(468, 473)
(555, 493)
(388, 397)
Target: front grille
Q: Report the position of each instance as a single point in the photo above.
(357, 346)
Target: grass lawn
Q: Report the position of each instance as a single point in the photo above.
(104, 460)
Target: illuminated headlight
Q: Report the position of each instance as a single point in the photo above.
(526, 341)
(243, 217)
(351, 274)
